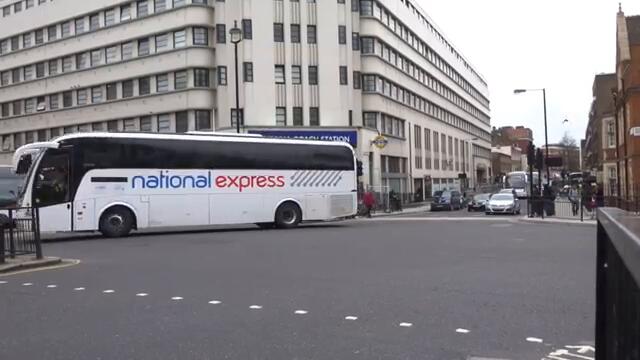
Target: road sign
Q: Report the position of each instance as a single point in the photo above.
(634, 131)
(380, 142)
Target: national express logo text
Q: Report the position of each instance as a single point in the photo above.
(168, 181)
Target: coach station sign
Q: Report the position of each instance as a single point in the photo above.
(347, 136)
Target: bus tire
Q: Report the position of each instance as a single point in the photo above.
(288, 215)
(116, 222)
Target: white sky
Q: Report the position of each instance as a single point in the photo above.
(557, 44)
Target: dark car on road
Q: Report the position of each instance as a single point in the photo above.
(9, 187)
(446, 200)
(478, 202)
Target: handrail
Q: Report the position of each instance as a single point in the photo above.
(623, 228)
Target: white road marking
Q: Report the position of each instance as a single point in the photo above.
(177, 298)
(351, 318)
(435, 218)
(582, 349)
(301, 312)
(566, 352)
(534, 340)
(78, 289)
(109, 291)
(52, 286)
(405, 324)
(462, 331)
(27, 284)
(142, 294)
(255, 307)
(2, 282)
(215, 302)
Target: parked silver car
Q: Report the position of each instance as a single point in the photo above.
(502, 204)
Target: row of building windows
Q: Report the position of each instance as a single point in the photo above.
(179, 122)
(391, 56)
(17, 7)
(384, 123)
(107, 55)
(160, 83)
(378, 84)
(455, 159)
(90, 23)
(385, 17)
(437, 34)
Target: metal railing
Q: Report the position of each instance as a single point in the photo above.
(618, 285)
(20, 233)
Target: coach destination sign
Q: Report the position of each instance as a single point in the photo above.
(347, 136)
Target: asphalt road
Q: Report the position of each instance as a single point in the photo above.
(364, 289)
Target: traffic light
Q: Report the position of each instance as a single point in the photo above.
(539, 159)
(359, 171)
(531, 155)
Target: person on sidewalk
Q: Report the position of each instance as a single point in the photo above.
(573, 198)
(369, 202)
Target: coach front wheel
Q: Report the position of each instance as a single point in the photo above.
(288, 215)
(116, 222)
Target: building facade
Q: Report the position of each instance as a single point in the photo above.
(518, 136)
(379, 74)
(598, 150)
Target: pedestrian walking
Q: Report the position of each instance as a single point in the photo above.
(573, 198)
(369, 201)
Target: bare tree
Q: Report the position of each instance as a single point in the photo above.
(567, 140)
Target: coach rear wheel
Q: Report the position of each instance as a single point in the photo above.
(116, 222)
(288, 215)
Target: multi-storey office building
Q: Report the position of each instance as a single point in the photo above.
(378, 74)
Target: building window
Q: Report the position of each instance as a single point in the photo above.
(162, 42)
(15, 75)
(314, 116)
(297, 117)
(145, 124)
(79, 26)
(112, 54)
(17, 7)
(178, 3)
(180, 38)
(368, 83)
(370, 120)
(82, 97)
(96, 94)
(164, 123)
(279, 74)
(611, 134)
(342, 34)
(160, 5)
(82, 61)
(221, 33)
(313, 75)
(281, 116)
(52, 33)
(296, 74)
(344, 75)
(5, 109)
(311, 34)
(112, 126)
(144, 86)
(127, 51)
(28, 72)
(203, 120)
(127, 88)
(125, 12)
(129, 124)
(5, 78)
(182, 122)
(26, 41)
(40, 70)
(200, 36)
(367, 45)
(29, 105)
(15, 43)
(17, 107)
(97, 57)
(357, 84)
(142, 8)
(6, 11)
(247, 29)
(222, 75)
(162, 83)
(112, 91)
(65, 29)
(39, 36)
(109, 17)
(366, 7)
(355, 6)
(67, 99)
(201, 77)
(295, 33)
(355, 41)
(94, 22)
(180, 80)
(278, 32)
(247, 71)
(143, 47)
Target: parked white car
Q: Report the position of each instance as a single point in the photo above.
(502, 203)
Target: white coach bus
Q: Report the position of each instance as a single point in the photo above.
(116, 182)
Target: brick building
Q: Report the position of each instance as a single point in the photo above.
(627, 102)
(518, 136)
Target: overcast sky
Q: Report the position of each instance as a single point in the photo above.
(557, 44)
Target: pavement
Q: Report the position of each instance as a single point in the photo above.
(383, 288)
(27, 262)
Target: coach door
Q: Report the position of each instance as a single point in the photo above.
(51, 192)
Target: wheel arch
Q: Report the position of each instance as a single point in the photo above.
(118, 204)
(285, 200)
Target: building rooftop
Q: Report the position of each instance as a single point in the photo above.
(633, 28)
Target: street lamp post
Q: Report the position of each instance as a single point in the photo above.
(236, 38)
(546, 134)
